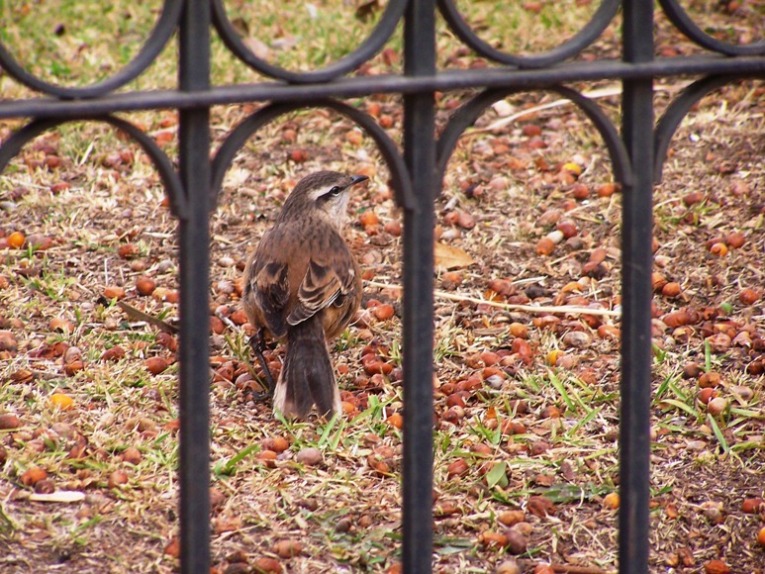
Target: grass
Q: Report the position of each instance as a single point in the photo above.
(528, 429)
(525, 28)
(73, 44)
(308, 37)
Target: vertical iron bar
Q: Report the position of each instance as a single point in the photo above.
(637, 261)
(420, 155)
(194, 146)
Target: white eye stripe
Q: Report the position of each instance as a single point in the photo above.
(315, 194)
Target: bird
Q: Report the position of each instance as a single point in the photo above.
(302, 285)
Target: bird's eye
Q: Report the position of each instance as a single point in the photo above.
(335, 191)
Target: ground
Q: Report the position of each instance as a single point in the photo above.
(526, 392)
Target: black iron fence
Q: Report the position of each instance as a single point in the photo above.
(637, 153)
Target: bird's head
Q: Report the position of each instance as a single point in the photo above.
(325, 191)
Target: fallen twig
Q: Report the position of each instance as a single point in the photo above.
(139, 315)
(605, 92)
(542, 309)
(570, 569)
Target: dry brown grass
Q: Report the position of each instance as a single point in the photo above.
(526, 403)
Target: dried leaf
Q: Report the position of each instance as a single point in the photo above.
(365, 9)
(450, 257)
(259, 48)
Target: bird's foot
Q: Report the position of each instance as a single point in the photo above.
(258, 344)
(261, 396)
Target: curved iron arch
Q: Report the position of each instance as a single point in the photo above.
(687, 26)
(178, 204)
(236, 139)
(676, 112)
(471, 111)
(160, 35)
(583, 38)
(371, 45)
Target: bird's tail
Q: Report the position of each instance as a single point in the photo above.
(306, 377)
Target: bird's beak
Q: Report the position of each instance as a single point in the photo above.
(358, 179)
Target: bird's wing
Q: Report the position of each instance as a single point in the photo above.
(324, 284)
(319, 289)
(269, 285)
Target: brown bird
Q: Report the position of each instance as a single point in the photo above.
(302, 284)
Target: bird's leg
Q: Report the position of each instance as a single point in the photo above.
(258, 344)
